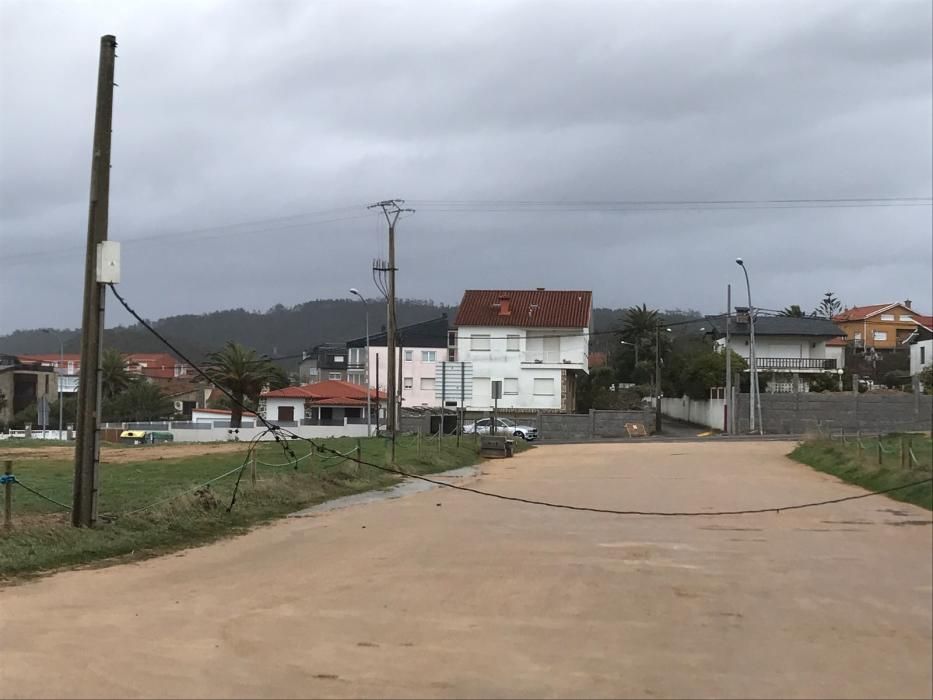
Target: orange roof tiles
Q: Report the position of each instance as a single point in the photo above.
(535, 308)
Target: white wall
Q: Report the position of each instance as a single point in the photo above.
(273, 405)
(417, 369)
(552, 346)
(246, 434)
(787, 346)
(915, 352)
(710, 412)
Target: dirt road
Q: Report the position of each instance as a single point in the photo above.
(447, 594)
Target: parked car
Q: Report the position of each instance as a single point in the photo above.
(145, 437)
(504, 426)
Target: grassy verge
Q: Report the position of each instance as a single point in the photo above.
(43, 540)
(861, 465)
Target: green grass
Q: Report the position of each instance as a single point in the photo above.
(861, 467)
(43, 540)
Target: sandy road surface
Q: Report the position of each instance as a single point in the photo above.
(446, 594)
(120, 455)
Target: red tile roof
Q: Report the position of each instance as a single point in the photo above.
(159, 365)
(925, 321)
(860, 313)
(331, 391)
(220, 411)
(536, 308)
(837, 342)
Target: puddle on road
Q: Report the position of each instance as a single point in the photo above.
(406, 488)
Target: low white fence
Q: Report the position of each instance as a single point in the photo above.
(710, 412)
(247, 434)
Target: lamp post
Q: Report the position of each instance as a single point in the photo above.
(369, 431)
(754, 391)
(58, 377)
(657, 377)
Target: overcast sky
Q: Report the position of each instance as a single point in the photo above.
(289, 117)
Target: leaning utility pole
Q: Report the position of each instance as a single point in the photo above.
(87, 444)
(391, 209)
(727, 422)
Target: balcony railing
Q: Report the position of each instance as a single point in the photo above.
(794, 363)
(553, 357)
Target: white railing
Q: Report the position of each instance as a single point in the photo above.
(553, 357)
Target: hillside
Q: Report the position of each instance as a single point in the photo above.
(280, 331)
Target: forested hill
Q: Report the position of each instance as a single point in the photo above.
(279, 331)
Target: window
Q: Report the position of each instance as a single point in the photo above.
(510, 387)
(923, 356)
(544, 386)
(512, 343)
(429, 355)
(357, 356)
(887, 317)
(338, 358)
(409, 354)
(408, 383)
(334, 375)
(879, 335)
(905, 317)
(427, 384)
(858, 335)
(479, 342)
(286, 413)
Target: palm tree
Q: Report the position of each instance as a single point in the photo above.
(241, 372)
(793, 311)
(639, 327)
(113, 375)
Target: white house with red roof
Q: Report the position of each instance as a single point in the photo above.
(330, 402)
(536, 342)
(158, 367)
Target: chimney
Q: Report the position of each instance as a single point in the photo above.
(907, 303)
(540, 289)
(504, 309)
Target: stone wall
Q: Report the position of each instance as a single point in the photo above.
(594, 425)
(869, 412)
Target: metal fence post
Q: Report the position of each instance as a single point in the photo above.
(8, 494)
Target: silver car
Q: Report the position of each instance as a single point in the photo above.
(504, 426)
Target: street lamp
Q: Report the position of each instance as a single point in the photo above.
(369, 428)
(754, 391)
(657, 378)
(58, 376)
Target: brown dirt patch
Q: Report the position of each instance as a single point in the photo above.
(121, 454)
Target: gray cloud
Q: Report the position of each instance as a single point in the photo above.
(233, 112)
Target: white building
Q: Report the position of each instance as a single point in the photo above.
(921, 345)
(421, 347)
(791, 349)
(536, 342)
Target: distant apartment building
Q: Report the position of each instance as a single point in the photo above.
(157, 367)
(421, 346)
(23, 382)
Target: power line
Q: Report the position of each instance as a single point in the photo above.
(596, 204)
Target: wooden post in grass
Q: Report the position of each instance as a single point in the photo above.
(8, 495)
(252, 468)
(419, 441)
(910, 453)
(903, 452)
(880, 458)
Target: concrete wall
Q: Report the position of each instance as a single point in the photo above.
(710, 413)
(921, 355)
(595, 425)
(870, 412)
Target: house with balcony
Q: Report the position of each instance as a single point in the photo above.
(421, 347)
(536, 342)
(788, 350)
(325, 362)
(879, 326)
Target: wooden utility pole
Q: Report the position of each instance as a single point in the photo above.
(87, 443)
(391, 209)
